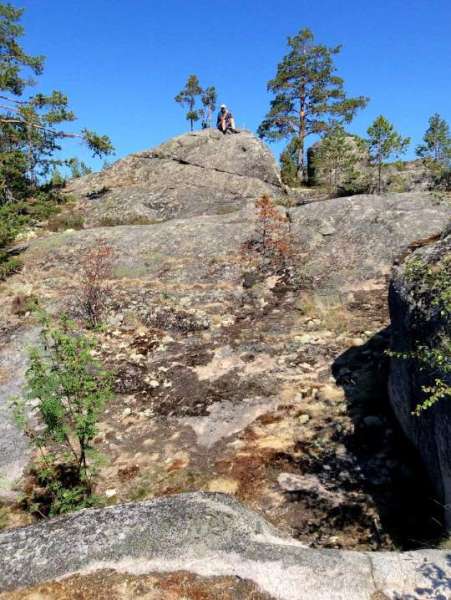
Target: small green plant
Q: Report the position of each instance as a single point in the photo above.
(431, 285)
(436, 360)
(71, 388)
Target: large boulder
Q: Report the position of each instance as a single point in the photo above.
(210, 535)
(351, 242)
(203, 172)
(421, 337)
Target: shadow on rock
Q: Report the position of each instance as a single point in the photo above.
(388, 466)
(440, 583)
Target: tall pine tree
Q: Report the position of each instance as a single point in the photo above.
(29, 126)
(307, 95)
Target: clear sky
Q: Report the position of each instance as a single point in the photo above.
(121, 62)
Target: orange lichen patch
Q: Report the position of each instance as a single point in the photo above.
(249, 471)
(109, 585)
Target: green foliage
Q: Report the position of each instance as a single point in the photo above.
(289, 163)
(436, 141)
(307, 94)
(433, 284)
(29, 137)
(72, 388)
(436, 152)
(432, 292)
(78, 168)
(208, 99)
(187, 98)
(56, 491)
(57, 179)
(383, 143)
(436, 360)
(12, 57)
(66, 220)
(335, 160)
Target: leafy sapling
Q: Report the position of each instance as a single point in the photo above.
(71, 389)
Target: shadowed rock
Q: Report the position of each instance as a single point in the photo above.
(419, 319)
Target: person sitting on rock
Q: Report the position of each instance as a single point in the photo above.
(225, 121)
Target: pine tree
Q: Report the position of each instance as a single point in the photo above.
(208, 99)
(29, 133)
(436, 152)
(289, 163)
(437, 141)
(307, 94)
(335, 159)
(187, 98)
(383, 143)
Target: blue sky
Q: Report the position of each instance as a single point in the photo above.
(122, 62)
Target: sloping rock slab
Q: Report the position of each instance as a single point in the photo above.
(203, 172)
(212, 535)
(344, 243)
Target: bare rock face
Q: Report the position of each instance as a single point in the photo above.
(198, 173)
(210, 535)
(351, 242)
(421, 318)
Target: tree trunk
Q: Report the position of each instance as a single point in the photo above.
(379, 177)
(301, 163)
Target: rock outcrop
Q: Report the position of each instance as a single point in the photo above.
(421, 324)
(226, 386)
(211, 535)
(350, 243)
(199, 173)
(345, 243)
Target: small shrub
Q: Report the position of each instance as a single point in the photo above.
(95, 271)
(9, 266)
(271, 249)
(23, 303)
(67, 220)
(72, 389)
